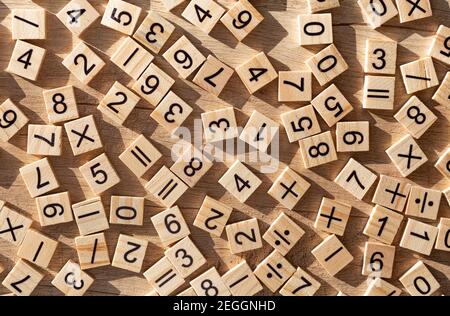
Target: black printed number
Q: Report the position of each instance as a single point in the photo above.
(172, 225)
(122, 17)
(354, 175)
(238, 239)
(353, 137)
(378, 262)
(218, 214)
(256, 73)
(202, 14)
(447, 46)
(8, 119)
(151, 84)
(322, 149)
(25, 58)
(75, 15)
(183, 58)
(183, 255)
(152, 32)
(59, 106)
(99, 175)
(337, 106)
(122, 213)
(299, 127)
(244, 18)
(209, 288)
(214, 75)
(381, 54)
(218, 123)
(87, 70)
(194, 165)
(69, 279)
(415, 114)
(123, 99)
(241, 184)
(170, 113)
(301, 287)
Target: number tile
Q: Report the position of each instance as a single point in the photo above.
(54, 209)
(170, 226)
(244, 236)
(212, 216)
(213, 75)
(92, 251)
(256, 72)
(332, 105)
(332, 255)
(39, 177)
(210, 284)
(71, 280)
(13, 120)
(99, 174)
(315, 29)
(28, 24)
(300, 284)
(130, 253)
(22, 280)
(300, 123)
(241, 281)
(61, 104)
(242, 19)
(356, 179)
(78, 16)
(378, 260)
(419, 281)
(154, 32)
(317, 150)
(203, 13)
(185, 257)
(121, 16)
(26, 60)
(327, 64)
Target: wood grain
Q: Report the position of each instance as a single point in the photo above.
(277, 36)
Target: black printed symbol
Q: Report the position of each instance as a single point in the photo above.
(378, 93)
(424, 202)
(418, 77)
(141, 156)
(26, 21)
(395, 193)
(239, 281)
(331, 217)
(282, 237)
(410, 156)
(165, 193)
(258, 136)
(165, 278)
(83, 136)
(288, 190)
(11, 229)
(274, 271)
(415, 5)
(333, 254)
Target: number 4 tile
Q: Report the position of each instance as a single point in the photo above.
(26, 60)
(240, 181)
(356, 179)
(406, 155)
(256, 72)
(78, 16)
(203, 13)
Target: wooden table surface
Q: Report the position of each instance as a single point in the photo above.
(277, 37)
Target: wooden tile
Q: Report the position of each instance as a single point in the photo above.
(140, 156)
(442, 94)
(419, 75)
(71, 280)
(283, 234)
(256, 72)
(127, 210)
(379, 93)
(121, 16)
(241, 281)
(259, 131)
(171, 4)
(153, 85)
(14, 119)
(92, 251)
(118, 103)
(440, 47)
(83, 63)
(170, 226)
(383, 224)
(61, 104)
(289, 188)
(54, 209)
(213, 216)
(90, 216)
(443, 163)
(22, 279)
(423, 203)
(26, 60)
(419, 281)
(380, 287)
(171, 112)
(300, 123)
(419, 237)
(378, 260)
(213, 75)
(132, 58)
(321, 5)
(332, 105)
(244, 236)
(240, 181)
(327, 64)
(381, 57)
(203, 13)
(300, 284)
(13, 226)
(210, 284)
(163, 277)
(333, 216)
(413, 10)
(353, 136)
(188, 292)
(317, 150)
(443, 237)
(166, 187)
(406, 155)
(294, 86)
(355, 179)
(44, 140)
(37, 248)
(447, 195)
(191, 166)
(315, 29)
(130, 253)
(274, 271)
(28, 24)
(99, 174)
(391, 193)
(332, 255)
(154, 31)
(241, 19)
(185, 257)
(377, 15)
(39, 178)
(78, 16)
(415, 117)
(219, 125)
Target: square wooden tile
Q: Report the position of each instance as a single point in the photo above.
(332, 105)
(83, 63)
(355, 179)
(170, 226)
(419, 75)
(39, 177)
(315, 29)
(78, 16)
(289, 188)
(154, 31)
(126, 210)
(203, 13)
(171, 4)
(13, 226)
(442, 94)
(332, 255)
(321, 5)
(191, 166)
(90, 216)
(381, 57)
(352, 136)
(171, 112)
(71, 280)
(37, 248)
(28, 24)
(377, 15)
(241, 281)
(300, 123)
(185, 257)
(317, 150)
(383, 224)
(419, 281)
(163, 277)
(54, 209)
(378, 260)
(423, 203)
(212, 216)
(220, 125)
(213, 75)
(439, 48)
(92, 251)
(244, 236)
(419, 237)
(241, 19)
(294, 86)
(391, 193)
(443, 163)
(443, 237)
(61, 104)
(274, 271)
(121, 16)
(83, 135)
(14, 120)
(99, 174)
(300, 284)
(210, 284)
(283, 234)
(406, 155)
(379, 93)
(333, 216)
(44, 140)
(130, 253)
(26, 60)
(166, 187)
(256, 72)
(327, 64)
(240, 181)
(413, 10)
(22, 279)
(259, 131)
(415, 117)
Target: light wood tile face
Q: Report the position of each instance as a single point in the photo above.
(163, 277)
(14, 119)
(39, 177)
(413, 10)
(442, 94)
(327, 64)
(415, 117)
(29, 24)
(333, 216)
(130, 253)
(274, 271)
(283, 234)
(71, 280)
(406, 155)
(356, 179)
(419, 75)
(317, 150)
(26, 60)
(256, 72)
(210, 284)
(204, 14)
(61, 104)
(300, 284)
(289, 188)
(37, 248)
(244, 236)
(154, 32)
(419, 237)
(378, 260)
(213, 216)
(92, 251)
(78, 16)
(170, 226)
(241, 19)
(375, 14)
(13, 226)
(332, 255)
(185, 257)
(321, 5)
(90, 216)
(241, 281)
(353, 136)
(166, 187)
(381, 57)
(22, 279)
(383, 224)
(121, 16)
(300, 123)
(391, 193)
(440, 47)
(54, 209)
(419, 281)
(315, 29)
(332, 105)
